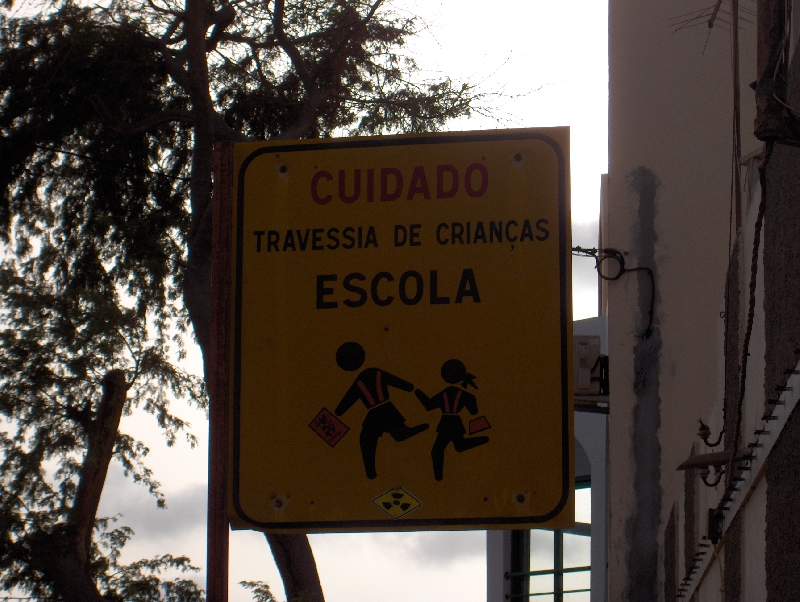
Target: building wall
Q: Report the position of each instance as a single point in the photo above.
(668, 202)
(782, 326)
(668, 206)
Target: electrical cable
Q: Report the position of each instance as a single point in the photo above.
(737, 433)
(602, 255)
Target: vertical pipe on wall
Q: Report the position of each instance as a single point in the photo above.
(737, 125)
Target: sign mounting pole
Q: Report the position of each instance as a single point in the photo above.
(217, 525)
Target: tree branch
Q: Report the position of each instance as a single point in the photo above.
(267, 43)
(63, 555)
(222, 131)
(360, 23)
(173, 27)
(314, 96)
(308, 115)
(99, 450)
(175, 69)
(164, 11)
(346, 38)
(143, 124)
(221, 20)
(289, 47)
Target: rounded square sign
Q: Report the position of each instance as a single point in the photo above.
(401, 346)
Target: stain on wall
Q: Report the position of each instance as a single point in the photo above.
(671, 557)
(732, 575)
(642, 526)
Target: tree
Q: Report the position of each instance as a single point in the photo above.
(62, 395)
(109, 116)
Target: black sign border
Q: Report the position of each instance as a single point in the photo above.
(564, 253)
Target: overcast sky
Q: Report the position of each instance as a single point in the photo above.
(549, 61)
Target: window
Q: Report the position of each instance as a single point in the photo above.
(560, 559)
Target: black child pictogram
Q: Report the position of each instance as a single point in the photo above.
(451, 401)
(372, 388)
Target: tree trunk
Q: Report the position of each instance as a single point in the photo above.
(53, 555)
(297, 566)
(94, 471)
(63, 555)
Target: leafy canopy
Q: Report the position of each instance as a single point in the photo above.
(108, 116)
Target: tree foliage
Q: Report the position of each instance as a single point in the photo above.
(108, 118)
(61, 351)
(261, 591)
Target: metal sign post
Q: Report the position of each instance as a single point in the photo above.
(217, 522)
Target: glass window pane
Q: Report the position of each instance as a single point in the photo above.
(541, 584)
(577, 580)
(580, 597)
(583, 505)
(541, 550)
(577, 550)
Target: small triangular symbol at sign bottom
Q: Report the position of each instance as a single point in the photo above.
(397, 502)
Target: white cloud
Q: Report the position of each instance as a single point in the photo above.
(398, 567)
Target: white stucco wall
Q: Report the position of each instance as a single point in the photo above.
(670, 113)
(754, 572)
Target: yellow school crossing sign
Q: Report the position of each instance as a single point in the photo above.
(401, 333)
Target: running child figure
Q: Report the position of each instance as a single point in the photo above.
(371, 387)
(451, 401)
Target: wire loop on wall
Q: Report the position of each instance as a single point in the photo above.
(602, 256)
